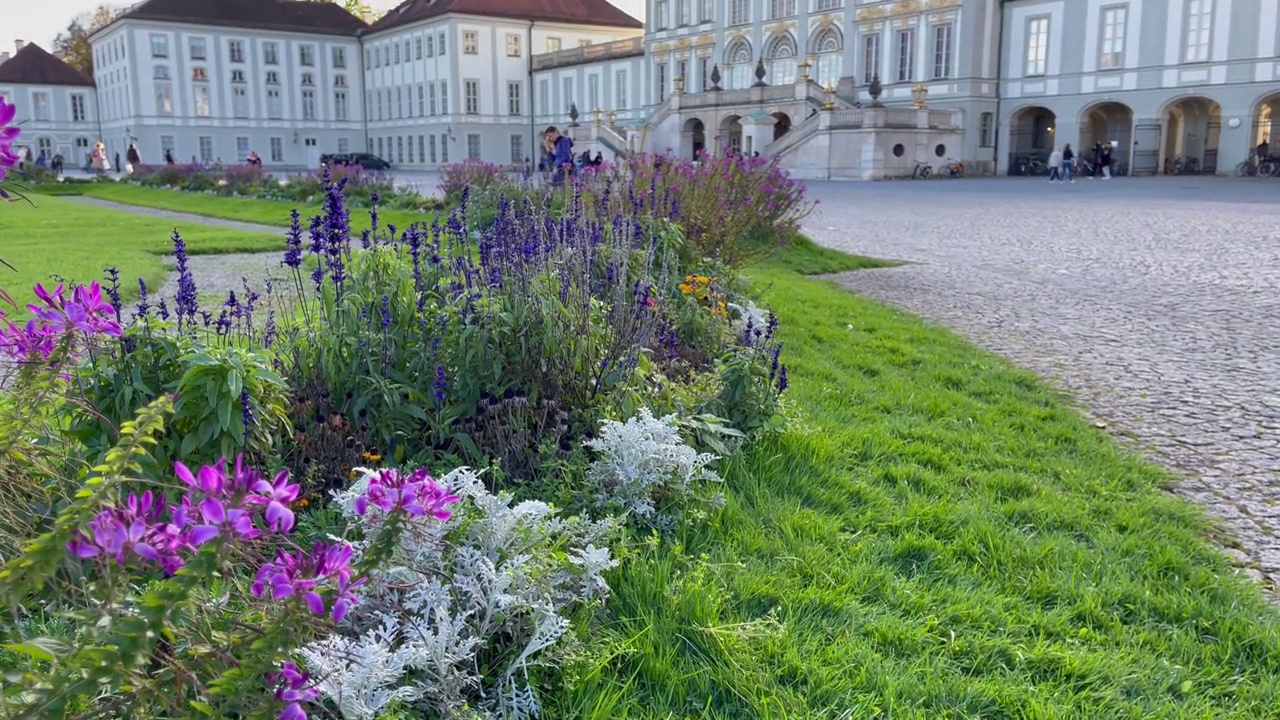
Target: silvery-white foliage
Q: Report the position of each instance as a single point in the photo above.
(758, 317)
(644, 465)
(498, 577)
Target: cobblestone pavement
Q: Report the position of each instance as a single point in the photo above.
(1154, 300)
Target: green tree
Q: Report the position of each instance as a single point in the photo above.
(73, 46)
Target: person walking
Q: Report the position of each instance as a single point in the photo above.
(1097, 160)
(168, 157)
(134, 158)
(1055, 165)
(1106, 161)
(1068, 162)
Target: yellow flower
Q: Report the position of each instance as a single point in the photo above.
(370, 456)
(686, 288)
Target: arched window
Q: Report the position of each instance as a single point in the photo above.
(782, 60)
(738, 61)
(828, 47)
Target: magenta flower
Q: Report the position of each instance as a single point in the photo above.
(293, 688)
(8, 133)
(303, 574)
(232, 501)
(417, 493)
(138, 529)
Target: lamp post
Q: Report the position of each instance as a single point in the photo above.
(679, 85)
(597, 112)
(613, 118)
(827, 102)
(919, 94)
(804, 71)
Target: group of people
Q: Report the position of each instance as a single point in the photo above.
(559, 159)
(1062, 163)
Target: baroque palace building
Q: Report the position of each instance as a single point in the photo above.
(855, 89)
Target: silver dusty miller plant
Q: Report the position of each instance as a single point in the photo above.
(646, 470)
(494, 585)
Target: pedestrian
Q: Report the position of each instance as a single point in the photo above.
(599, 160)
(1055, 165)
(1068, 162)
(134, 158)
(98, 158)
(1105, 160)
(168, 157)
(42, 161)
(562, 154)
(117, 166)
(1097, 160)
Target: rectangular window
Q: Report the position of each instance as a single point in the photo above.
(685, 12)
(344, 145)
(661, 15)
(553, 44)
(380, 149)
(339, 56)
(237, 76)
(593, 92)
(431, 147)
(739, 12)
(513, 45)
(471, 96)
(941, 51)
(164, 98)
(1114, 20)
(444, 97)
(422, 100)
(544, 97)
(308, 104)
(870, 57)
(1038, 45)
(707, 11)
(270, 54)
(513, 97)
(985, 128)
(417, 48)
(275, 104)
(399, 103)
(77, 108)
(444, 148)
(470, 42)
(159, 46)
(340, 105)
(242, 147)
(431, 99)
(781, 8)
(273, 77)
(906, 55)
(517, 149)
(830, 4)
(167, 145)
(567, 98)
(431, 45)
(199, 50)
(399, 148)
(307, 55)
(308, 79)
(422, 148)
(203, 108)
(235, 49)
(206, 148)
(660, 75)
(277, 149)
(1199, 25)
(396, 54)
(42, 108)
(473, 146)
(240, 101)
(440, 44)
(620, 90)
(198, 74)
(407, 46)
(410, 149)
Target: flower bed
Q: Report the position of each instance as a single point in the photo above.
(361, 186)
(581, 369)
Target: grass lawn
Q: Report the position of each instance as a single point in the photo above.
(938, 535)
(267, 212)
(76, 242)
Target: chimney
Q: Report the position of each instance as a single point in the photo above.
(19, 45)
(3, 56)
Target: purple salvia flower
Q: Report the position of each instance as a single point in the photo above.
(293, 241)
(185, 303)
(246, 414)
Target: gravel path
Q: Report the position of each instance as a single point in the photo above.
(176, 216)
(1153, 300)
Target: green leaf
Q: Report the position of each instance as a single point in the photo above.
(203, 707)
(234, 382)
(41, 649)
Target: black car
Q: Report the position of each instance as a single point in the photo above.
(368, 161)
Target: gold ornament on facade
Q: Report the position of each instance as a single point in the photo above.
(827, 20)
(905, 7)
(939, 4)
(919, 94)
(661, 47)
(683, 42)
(613, 118)
(828, 98)
(680, 85)
(738, 34)
(872, 12)
(804, 71)
(597, 112)
(705, 40)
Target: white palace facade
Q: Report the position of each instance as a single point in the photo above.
(841, 89)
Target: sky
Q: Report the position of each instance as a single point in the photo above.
(41, 21)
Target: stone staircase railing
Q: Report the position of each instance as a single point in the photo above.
(796, 135)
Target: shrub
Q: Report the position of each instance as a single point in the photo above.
(646, 470)
(463, 612)
(477, 177)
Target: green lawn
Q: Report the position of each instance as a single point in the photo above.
(75, 242)
(938, 535)
(267, 212)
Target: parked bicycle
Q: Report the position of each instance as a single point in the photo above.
(1182, 166)
(1248, 167)
(953, 169)
(1032, 166)
(922, 171)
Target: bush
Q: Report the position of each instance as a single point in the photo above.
(477, 177)
(464, 611)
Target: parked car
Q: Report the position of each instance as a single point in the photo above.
(368, 161)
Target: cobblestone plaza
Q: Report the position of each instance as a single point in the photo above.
(1153, 300)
